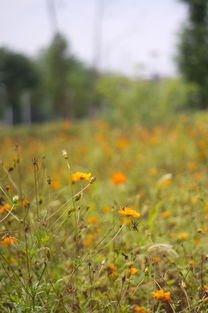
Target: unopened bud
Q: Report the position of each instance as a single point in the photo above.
(92, 180)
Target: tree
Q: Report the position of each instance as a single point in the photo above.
(193, 50)
(17, 73)
(56, 65)
(65, 81)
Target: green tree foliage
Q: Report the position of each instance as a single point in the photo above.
(125, 99)
(193, 50)
(17, 73)
(65, 81)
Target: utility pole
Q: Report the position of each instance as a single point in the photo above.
(51, 9)
(97, 52)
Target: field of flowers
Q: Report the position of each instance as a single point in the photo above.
(101, 218)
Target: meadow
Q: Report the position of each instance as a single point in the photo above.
(104, 218)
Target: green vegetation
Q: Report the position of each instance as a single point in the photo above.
(193, 56)
(132, 240)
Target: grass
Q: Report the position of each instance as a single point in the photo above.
(132, 240)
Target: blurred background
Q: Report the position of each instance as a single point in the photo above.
(122, 60)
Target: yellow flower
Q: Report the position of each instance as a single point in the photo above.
(129, 212)
(161, 295)
(132, 270)
(81, 176)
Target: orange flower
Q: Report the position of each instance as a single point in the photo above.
(113, 274)
(139, 309)
(191, 262)
(55, 184)
(8, 240)
(161, 295)
(197, 175)
(166, 214)
(87, 242)
(81, 176)
(165, 180)
(92, 220)
(118, 178)
(129, 212)
(5, 207)
(156, 259)
(97, 230)
(113, 267)
(123, 142)
(183, 236)
(206, 287)
(132, 270)
(106, 209)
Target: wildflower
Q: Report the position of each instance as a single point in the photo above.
(5, 207)
(197, 175)
(129, 212)
(15, 199)
(183, 236)
(192, 165)
(191, 262)
(156, 259)
(113, 274)
(92, 220)
(91, 236)
(65, 154)
(97, 230)
(166, 214)
(152, 171)
(112, 267)
(81, 176)
(206, 288)
(106, 209)
(8, 240)
(139, 309)
(132, 270)
(55, 184)
(8, 188)
(87, 242)
(122, 142)
(118, 178)
(165, 180)
(161, 295)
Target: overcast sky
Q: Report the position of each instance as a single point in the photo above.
(135, 32)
